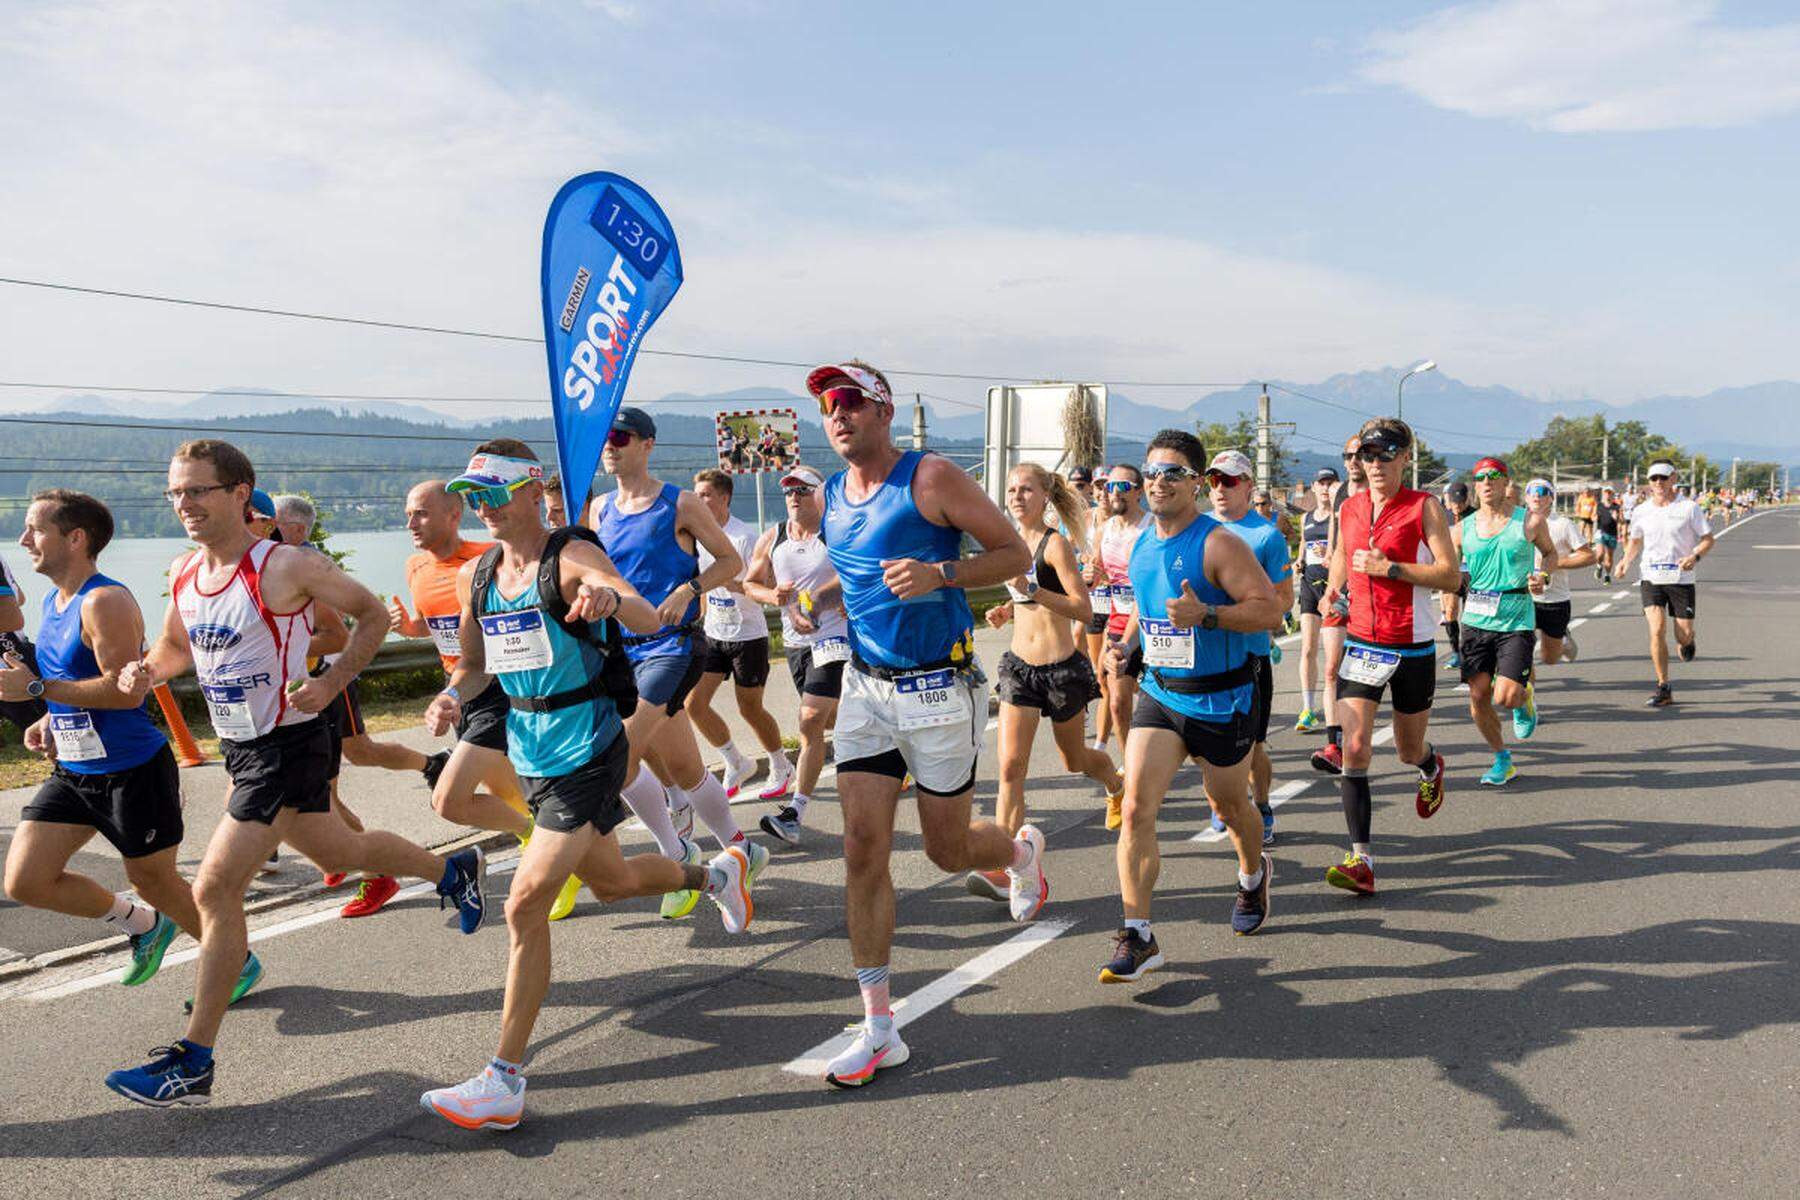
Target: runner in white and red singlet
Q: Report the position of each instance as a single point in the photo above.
(1393, 550)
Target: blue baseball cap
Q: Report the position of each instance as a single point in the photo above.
(261, 505)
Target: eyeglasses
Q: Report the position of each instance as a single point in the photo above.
(1120, 486)
(1168, 473)
(618, 438)
(177, 495)
(799, 489)
(1220, 479)
(1378, 454)
(848, 397)
(1488, 473)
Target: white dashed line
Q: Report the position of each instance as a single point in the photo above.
(1600, 608)
(940, 991)
(1578, 621)
(1621, 595)
(1383, 736)
(1277, 798)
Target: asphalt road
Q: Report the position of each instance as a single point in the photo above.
(1582, 985)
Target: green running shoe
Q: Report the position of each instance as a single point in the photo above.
(247, 979)
(676, 905)
(1525, 717)
(147, 951)
(1501, 773)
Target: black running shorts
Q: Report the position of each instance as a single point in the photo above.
(1410, 690)
(1553, 618)
(1062, 690)
(1678, 598)
(1311, 594)
(1221, 743)
(825, 680)
(138, 809)
(588, 795)
(483, 720)
(747, 662)
(1504, 655)
(288, 767)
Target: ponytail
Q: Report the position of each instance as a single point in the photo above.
(1071, 510)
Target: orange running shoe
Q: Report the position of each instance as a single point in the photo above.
(373, 892)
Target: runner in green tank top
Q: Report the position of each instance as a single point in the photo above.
(1497, 541)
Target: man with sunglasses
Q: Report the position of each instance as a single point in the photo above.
(1109, 579)
(530, 605)
(790, 569)
(1329, 758)
(1393, 549)
(1228, 482)
(1315, 570)
(1196, 599)
(1550, 593)
(1496, 542)
(1672, 535)
(653, 532)
(914, 698)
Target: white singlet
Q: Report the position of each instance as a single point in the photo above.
(244, 654)
(732, 616)
(803, 563)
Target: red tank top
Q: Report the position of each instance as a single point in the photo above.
(1388, 612)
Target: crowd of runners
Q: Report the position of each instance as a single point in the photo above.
(584, 665)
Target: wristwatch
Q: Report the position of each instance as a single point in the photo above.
(1031, 588)
(1393, 570)
(948, 570)
(35, 689)
(1210, 619)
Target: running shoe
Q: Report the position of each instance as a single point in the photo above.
(1252, 906)
(676, 905)
(271, 865)
(1218, 822)
(1309, 722)
(779, 785)
(1027, 888)
(1570, 650)
(147, 951)
(484, 1102)
(1115, 810)
(1354, 874)
(1268, 818)
(247, 977)
(464, 889)
(737, 769)
(566, 898)
(1454, 662)
(1600, 572)
(1501, 773)
(989, 885)
(332, 879)
(1662, 697)
(168, 1079)
(1688, 651)
(871, 1051)
(1275, 653)
(373, 892)
(1329, 758)
(783, 826)
(1525, 717)
(1133, 957)
(1431, 790)
(736, 909)
(434, 766)
(758, 857)
(683, 820)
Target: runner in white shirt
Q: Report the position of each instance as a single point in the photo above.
(1672, 536)
(1551, 592)
(737, 644)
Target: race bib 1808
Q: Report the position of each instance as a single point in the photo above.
(929, 698)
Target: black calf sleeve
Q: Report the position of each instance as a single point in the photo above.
(1359, 807)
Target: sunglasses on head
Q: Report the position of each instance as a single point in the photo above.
(797, 489)
(619, 437)
(845, 396)
(1120, 485)
(1220, 479)
(1168, 473)
(1381, 452)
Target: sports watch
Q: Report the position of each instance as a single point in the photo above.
(35, 689)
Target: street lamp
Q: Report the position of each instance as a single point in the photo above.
(1400, 388)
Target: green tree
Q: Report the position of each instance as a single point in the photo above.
(1240, 434)
(1579, 447)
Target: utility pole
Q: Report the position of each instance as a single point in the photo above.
(1555, 489)
(1605, 453)
(1264, 467)
(918, 422)
(1734, 463)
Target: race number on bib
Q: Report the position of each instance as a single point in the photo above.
(1123, 597)
(516, 641)
(1101, 598)
(1665, 572)
(1482, 604)
(76, 738)
(1165, 645)
(720, 603)
(830, 650)
(229, 708)
(929, 698)
(446, 633)
(1315, 554)
(1364, 664)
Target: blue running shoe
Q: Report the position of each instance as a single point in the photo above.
(1501, 773)
(169, 1078)
(147, 951)
(1525, 717)
(1252, 906)
(1454, 662)
(1268, 816)
(1218, 823)
(247, 979)
(461, 886)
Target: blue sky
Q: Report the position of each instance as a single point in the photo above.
(1583, 198)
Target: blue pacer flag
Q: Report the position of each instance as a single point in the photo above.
(610, 267)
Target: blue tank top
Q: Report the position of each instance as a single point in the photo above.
(545, 745)
(130, 740)
(1158, 566)
(884, 629)
(649, 555)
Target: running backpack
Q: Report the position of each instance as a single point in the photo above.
(615, 679)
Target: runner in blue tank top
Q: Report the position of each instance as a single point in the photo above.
(1196, 597)
(114, 774)
(913, 698)
(566, 741)
(651, 530)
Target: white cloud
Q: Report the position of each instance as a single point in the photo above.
(1584, 66)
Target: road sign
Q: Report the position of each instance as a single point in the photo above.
(759, 440)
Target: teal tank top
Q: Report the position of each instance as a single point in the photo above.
(545, 745)
(1498, 568)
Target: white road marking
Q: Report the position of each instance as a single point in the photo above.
(1600, 608)
(1277, 798)
(1383, 736)
(1771, 546)
(1578, 621)
(1621, 595)
(940, 991)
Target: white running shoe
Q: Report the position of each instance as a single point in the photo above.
(758, 857)
(780, 783)
(869, 1053)
(737, 769)
(484, 1102)
(735, 906)
(683, 819)
(1570, 651)
(989, 885)
(1028, 888)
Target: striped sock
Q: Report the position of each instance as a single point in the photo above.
(874, 984)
